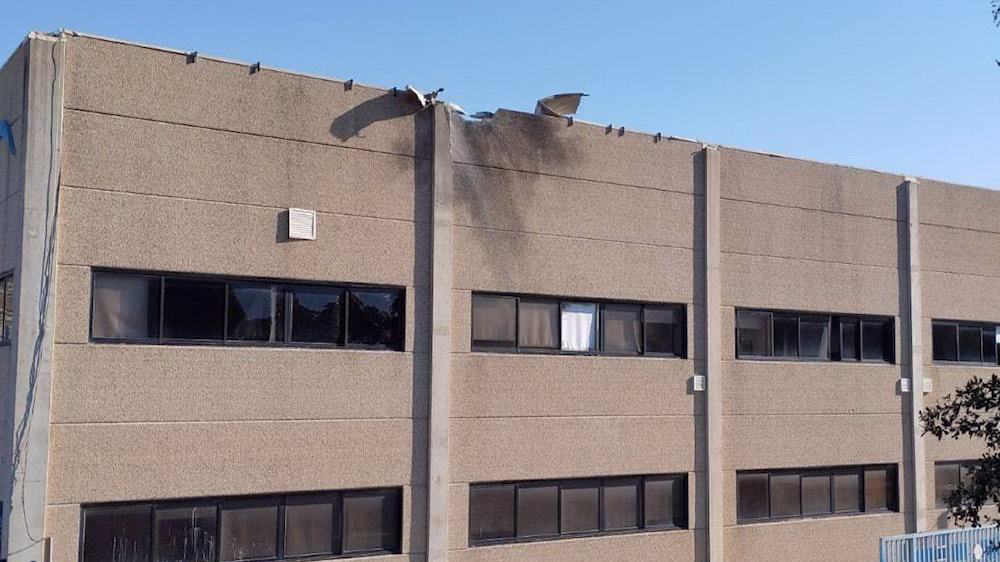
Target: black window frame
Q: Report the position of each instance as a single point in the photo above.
(219, 501)
(599, 332)
(830, 472)
(958, 325)
(575, 482)
(280, 290)
(836, 337)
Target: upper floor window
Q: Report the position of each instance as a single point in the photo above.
(808, 336)
(965, 342)
(350, 523)
(551, 325)
(6, 329)
(549, 509)
(948, 476)
(164, 309)
(807, 492)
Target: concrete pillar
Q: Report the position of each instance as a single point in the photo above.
(914, 358)
(32, 338)
(713, 353)
(438, 474)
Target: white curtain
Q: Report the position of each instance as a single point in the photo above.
(579, 326)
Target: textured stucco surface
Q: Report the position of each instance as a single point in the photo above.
(180, 167)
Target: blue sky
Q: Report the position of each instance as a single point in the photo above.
(904, 86)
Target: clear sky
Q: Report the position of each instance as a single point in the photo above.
(907, 86)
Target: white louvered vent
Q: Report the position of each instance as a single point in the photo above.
(301, 224)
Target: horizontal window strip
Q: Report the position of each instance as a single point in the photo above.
(811, 336)
(974, 343)
(146, 308)
(509, 512)
(7, 304)
(554, 325)
(768, 495)
(271, 528)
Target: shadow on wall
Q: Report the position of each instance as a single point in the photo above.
(506, 155)
(354, 121)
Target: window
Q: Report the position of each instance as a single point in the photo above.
(965, 342)
(128, 307)
(782, 494)
(519, 511)
(235, 529)
(948, 476)
(8, 308)
(814, 337)
(550, 325)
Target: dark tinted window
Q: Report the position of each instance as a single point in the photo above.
(665, 502)
(847, 491)
(621, 507)
(877, 340)
(579, 507)
(814, 337)
(125, 306)
(193, 309)
(849, 339)
(879, 489)
(751, 496)
(665, 329)
(970, 344)
(622, 329)
(371, 521)
(249, 529)
(990, 345)
(946, 479)
(494, 321)
(785, 495)
(786, 335)
(119, 534)
(538, 324)
(317, 316)
(186, 533)
(815, 494)
(251, 310)
(537, 510)
(375, 318)
(945, 342)
(753, 332)
(310, 525)
(491, 512)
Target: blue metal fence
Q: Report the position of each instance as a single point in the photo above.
(952, 545)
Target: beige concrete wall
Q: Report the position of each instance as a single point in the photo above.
(186, 168)
(545, 208)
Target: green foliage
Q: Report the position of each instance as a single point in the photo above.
(973, 412)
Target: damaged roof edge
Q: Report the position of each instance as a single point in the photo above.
(902, 176)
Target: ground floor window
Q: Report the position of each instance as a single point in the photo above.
(278, 527)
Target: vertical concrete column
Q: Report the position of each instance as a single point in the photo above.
(35, 278)
(915, 358)
(713, 353)
(438, 475)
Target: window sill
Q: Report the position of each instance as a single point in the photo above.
(784, 361)
(965, 364)
(560, 538)
(814, 518)
(242, 345)
(559, 353)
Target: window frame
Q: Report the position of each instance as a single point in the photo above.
(219, 501)
(5, 330)
(829, 472)
(570, 482)
(599, 331)
(939, 503)
(958, 325)
(280, 289)
(836, 337)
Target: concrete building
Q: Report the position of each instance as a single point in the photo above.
(515, 338)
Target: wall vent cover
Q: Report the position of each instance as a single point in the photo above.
(301, 224)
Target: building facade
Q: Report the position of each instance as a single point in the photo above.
(515, 338)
